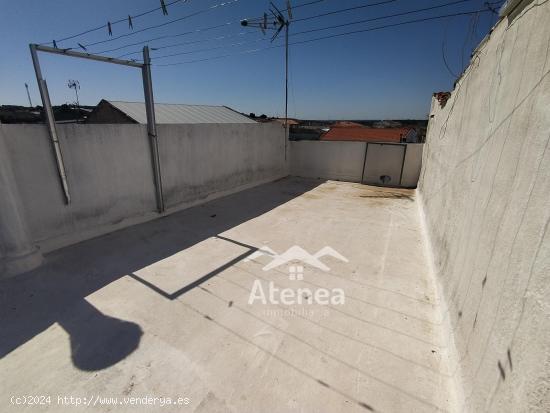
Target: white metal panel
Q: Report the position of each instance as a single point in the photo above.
(384, 164)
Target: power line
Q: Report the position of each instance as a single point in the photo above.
(208, 49)
(297, 33)
(331, 27)
(447, 66)
(453, 74)
(255, 41)
(188, 43)
(328, 37)
(293, 8)
(393, 25)
(194, 31)
(330, 13)
(202, 11)
(318, 29)
(383, 17)
(167, 36)
(294, 20)
(104, 26)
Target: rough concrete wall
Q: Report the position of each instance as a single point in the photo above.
(344, 161)
(201, 160)
(412, 166)
(110, 174)
(17, 252)
(330, 160)
(485, 190)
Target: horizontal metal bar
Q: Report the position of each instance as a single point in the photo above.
(88, 56)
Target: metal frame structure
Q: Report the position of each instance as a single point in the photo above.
(149, 107)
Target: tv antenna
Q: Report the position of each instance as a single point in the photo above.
(276, 21)
(74, 84)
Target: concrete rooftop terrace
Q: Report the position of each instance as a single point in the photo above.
(162, 309)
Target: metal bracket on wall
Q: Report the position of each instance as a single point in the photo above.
(149, 106)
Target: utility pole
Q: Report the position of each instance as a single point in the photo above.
(28, 95)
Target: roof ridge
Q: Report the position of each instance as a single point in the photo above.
(161, 103)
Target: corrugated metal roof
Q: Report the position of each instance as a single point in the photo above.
(176, 113)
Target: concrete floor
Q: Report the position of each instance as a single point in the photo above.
(161, 310)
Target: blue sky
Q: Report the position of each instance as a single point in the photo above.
(385, 74)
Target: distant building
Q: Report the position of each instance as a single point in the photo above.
(290, 122)
(62, 114)
(363, 134)
(387, 124)
(346, 124)
(108, 111)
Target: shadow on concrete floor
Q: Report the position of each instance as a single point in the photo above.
(98, 341)
(56, 292)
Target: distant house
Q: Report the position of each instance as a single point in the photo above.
(290, 122)
(387, 124)
(346, 124)
(109, 111)
(62, 114)
(363, 134)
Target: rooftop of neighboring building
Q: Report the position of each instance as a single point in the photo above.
(363, 134)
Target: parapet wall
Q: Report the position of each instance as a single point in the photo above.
(111, 180)
(358, 162)
(485, 190)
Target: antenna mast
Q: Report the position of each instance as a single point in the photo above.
(278, 23)
(75, 84)
(28, 95)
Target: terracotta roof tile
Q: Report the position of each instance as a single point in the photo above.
(365, 134)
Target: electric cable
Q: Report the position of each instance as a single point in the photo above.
(104, 26)
(328, 37)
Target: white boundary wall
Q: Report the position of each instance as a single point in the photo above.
(344, 161)
(485, 190)
(110, 174)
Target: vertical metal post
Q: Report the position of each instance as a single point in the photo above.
(287, 24)
(50, 121)
(364, 162)
(403, 164)
(152, 126)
